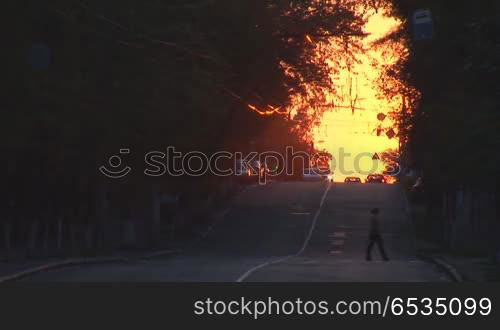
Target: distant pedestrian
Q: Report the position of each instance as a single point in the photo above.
(374, 236)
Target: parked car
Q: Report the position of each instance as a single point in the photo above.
(317, 174)
(324, 172)
(375, 178)
(352, 179)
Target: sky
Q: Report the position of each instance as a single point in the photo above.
(354, 135)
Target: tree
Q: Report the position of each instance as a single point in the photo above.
(87, 79)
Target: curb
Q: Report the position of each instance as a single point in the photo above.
(451, 271)
(58, 264)
(80, 261)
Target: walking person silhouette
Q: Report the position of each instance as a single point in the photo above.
(375, 237)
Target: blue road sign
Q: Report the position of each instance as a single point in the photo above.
(423, 27)
(40, 56)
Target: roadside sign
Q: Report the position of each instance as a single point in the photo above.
(423, 27)
(391, 134)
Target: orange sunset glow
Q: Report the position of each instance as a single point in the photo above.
(349, 125)
(356, 133)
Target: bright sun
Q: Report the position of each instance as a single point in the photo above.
(352, 137)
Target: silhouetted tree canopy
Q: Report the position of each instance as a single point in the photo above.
(87, 78)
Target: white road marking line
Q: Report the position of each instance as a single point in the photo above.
(339, 235)
(338, 243)
(304, 246)
(315, 220)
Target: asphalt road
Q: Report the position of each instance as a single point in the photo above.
(286, 232)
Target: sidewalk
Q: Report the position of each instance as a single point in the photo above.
(9, 268)
(460, 267)
(15, 269)
(474, 269)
